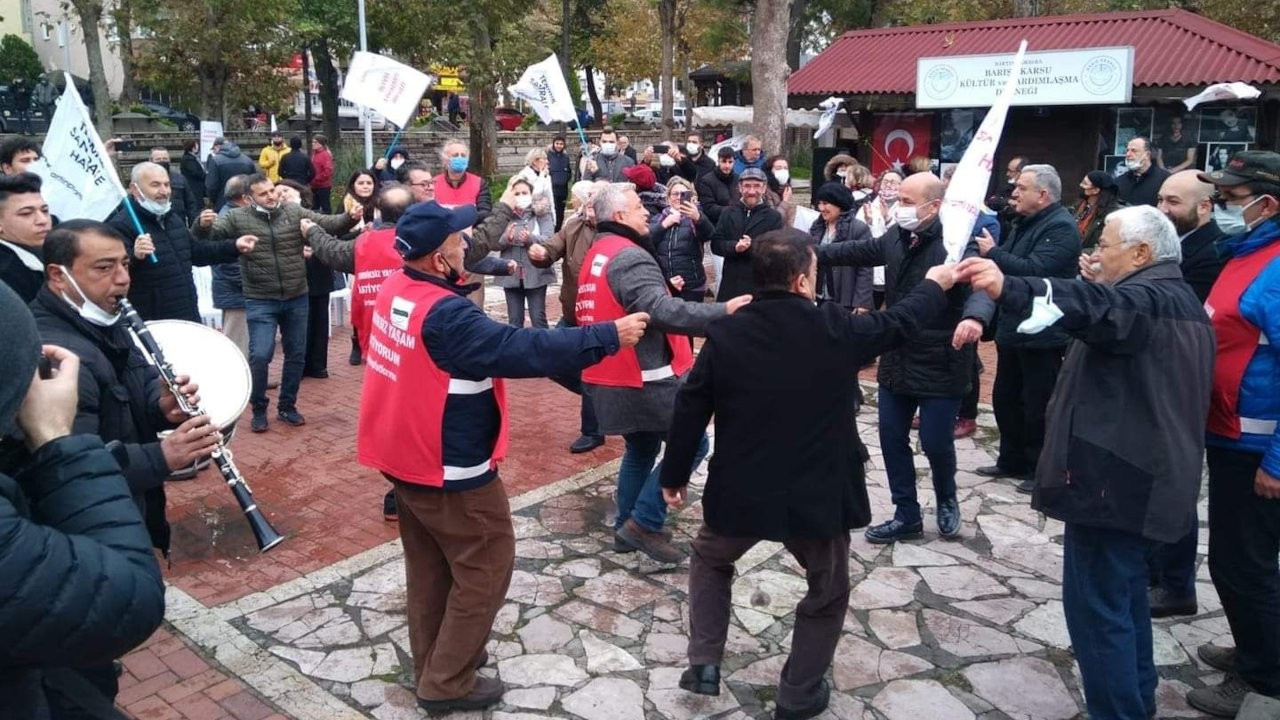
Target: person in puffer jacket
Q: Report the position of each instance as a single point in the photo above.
(677, 233)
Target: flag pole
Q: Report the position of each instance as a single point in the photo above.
(368, 125)
(395, 139)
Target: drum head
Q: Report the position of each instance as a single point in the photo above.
(214, 363)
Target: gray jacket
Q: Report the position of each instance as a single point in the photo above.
(610, 167)
(528, 276)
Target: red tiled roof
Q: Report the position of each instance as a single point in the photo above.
(1171, 47)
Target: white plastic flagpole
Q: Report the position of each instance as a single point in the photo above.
(368, 126)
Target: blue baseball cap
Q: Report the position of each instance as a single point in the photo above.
(425, 227)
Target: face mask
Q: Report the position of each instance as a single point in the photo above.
(905, 216)
(396, 163)
(1231, 220)
(261, 208)
(782, 176)
(90, 311)
(458, 164)
(524, 201)
(608, 149)
(693, 148)
(164, 165)
(666, 161)
(1043, 313)
(842, 174)
(1135, 164)
(453, 277)
(889, 194)
(155, 208)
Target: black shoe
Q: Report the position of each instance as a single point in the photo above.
(355, 358)
(893, 531)
(389, 512)
(586, 443)
(488, 691)
(317, 374)
(1167, 604)
(819, 705)
(1026, 486)
(259, 422)
(291, 416)
(701, 679)
(949, 518)
(996, 471)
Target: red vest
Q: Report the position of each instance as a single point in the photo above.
(1238, 339)
(452, 197)
(376, 258)
(402, 403)
(597, 303)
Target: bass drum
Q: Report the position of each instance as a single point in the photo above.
(214, 363)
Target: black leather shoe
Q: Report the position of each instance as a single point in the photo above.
(586, 443)
(291, 416)
(354, 358)
(815, 709)
(701, 679)
(1026, 485)
(487, 691)
(949, 518)
(893, 531)
(259, 422)
(996, 471)
(389, 511)
(1167, 604)
(317, 374)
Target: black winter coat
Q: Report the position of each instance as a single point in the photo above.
(24, 281)
(184, 205)
(224, 165)
(165, 290)
(1200, 262)
(716, 192)
(679, 249)
(1046, 244)
(560, 168)
(82, 582)
(848, 287)
(296, 166)
(736, 221)
(927, 365)
(119, 400)
(192, 170)
(794, 474)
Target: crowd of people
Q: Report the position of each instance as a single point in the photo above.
(1131, 330)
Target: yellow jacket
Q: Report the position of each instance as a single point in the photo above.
(269, 161)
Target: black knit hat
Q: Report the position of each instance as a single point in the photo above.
(835, 193)
(18, 355)
(1102, 180)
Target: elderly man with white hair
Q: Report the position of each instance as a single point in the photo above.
(162, 287)
(456, 187)
(1125, 443)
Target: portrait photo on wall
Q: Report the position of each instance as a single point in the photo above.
(1228, 125)
(1131, 123)
(1175, 141)
(1220, 153)
(1114, 165)
(957, 128)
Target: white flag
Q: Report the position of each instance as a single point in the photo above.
(543, 86)
(392, 88)
(1223, 91)
(830, 107)
(273, 124)
(969, 183)
(80, 180)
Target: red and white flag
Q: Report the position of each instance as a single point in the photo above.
(897, 138)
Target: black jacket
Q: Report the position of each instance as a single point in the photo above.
(560, 167)
(1092, 235)
(119, 400)
(82, 584)
(184, 204)
(927, 365)
(1046, 244)
(224, 165)
(296, 166)
(1200, 262)
(799, 473)
(849, 287)
(24, 281)
(1123, 450)
(716, 192)
(1142, 189)
(192, 170)
(692, 169)
(738, 220)
(679, 249)
(165, 290)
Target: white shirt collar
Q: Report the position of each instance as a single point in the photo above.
(27, 257)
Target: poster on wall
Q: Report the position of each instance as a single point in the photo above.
(1131, 123)
(1220, 153)
(956, 132)
(1175, 137)
(1228, 125)
(1114, 165)
(898, 137)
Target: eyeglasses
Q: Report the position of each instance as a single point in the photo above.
(1222, 201)
(424, 184)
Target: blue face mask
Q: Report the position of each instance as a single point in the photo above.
(1230, 219)
(458, 164)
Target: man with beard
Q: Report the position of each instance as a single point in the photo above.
(718, 188)
(748, 218)
(269, 158)
(24, 223)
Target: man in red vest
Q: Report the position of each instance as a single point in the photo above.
(1243, 447)
(634, 391)
(433, 420)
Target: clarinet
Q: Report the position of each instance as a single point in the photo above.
(266, 535)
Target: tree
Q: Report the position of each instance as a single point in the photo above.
(770, 26)
(89, 13)
(327, 28)
(122, 17)
(18, 60)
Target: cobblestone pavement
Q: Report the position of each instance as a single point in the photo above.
(938, 630)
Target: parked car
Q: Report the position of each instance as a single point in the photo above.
(508, 118)
(181, 119)
(653, 118)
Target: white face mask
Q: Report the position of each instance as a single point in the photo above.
(666, 161)
(1043, 313)
(396, 163)
(1134, 164)
(524, 201)
(1231, 218)
(89, 310)
(155, 208)
(693, 148)
(842, 174)
(782, 176)
(905, 216)
(608, 149)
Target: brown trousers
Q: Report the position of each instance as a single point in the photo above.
(459, 551)
(819, 616)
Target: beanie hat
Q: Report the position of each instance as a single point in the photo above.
(834, 193)
(641, 176)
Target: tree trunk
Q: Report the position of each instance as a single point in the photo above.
(565, 65)
(213, 92)
(306, 97)
(1026, 8)
(796, 35)
(327, 75)
(667, 23)
(123, 16)
(484, 128)
(594, 96)
(770, 26)
(90, 12)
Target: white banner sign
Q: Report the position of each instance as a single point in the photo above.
(80, 180)
(543, 86)
(392, 88)
(968, 185)
(210, 130)
(1096, 76)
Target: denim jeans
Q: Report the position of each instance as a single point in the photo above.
(1104, 597)
(573, 383)
(639, 495)
(937, 423)
(535, 298)
(264, 316)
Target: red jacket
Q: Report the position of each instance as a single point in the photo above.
(322, 159)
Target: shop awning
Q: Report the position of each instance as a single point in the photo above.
(716, 115)
(1171, 48)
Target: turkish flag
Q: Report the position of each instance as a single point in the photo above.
(897, 138)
